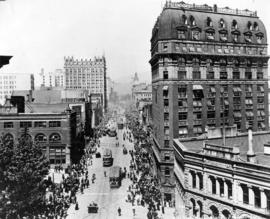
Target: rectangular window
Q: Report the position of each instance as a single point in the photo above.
(166, 116)
(223, 75)
(8, 125)
(196, 75)
(181, 34)
(248, 75)
(165, 75)
(25, 124)
(165, 46)
(166, 102)
(182, 75)
(182, 116)
(211, 115)
(54, 123)
(210, 75)
(166, 130)
(236, 75)
(259, 75)
(40, 124)
(167, 143)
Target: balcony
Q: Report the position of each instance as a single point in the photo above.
(182, 109)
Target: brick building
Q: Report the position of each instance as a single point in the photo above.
(209, 68)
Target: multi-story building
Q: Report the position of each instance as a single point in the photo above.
(87, 74)
(217, 181)
(52, 79)
(10, 82)
(209, 68)
(141, 92)
(55, 132)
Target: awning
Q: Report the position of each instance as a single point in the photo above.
(197, 103)
(249, 101)
(197, 87)
(183, 131)
(261, 89)
(226, 102)
(166, 87)
(237, 89)
(212, 90)
(237, 114)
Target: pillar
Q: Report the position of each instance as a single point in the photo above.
(263, 198)
(217, 186)
(189, 179)
(250, 195)
(226, 189)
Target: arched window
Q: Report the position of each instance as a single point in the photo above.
(184, 19)
(249, 25)
(55, 137)
(193, 207)
(8, 137)
(226, 214)
(181, 61)
(222, 23)
(192, 21)
(209, 22)
(234, 25)
(255, 26)
(40, 138)
(214, 212)
(200, 208)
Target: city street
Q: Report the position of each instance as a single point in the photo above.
(107, 199)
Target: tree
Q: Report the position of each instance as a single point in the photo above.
(23, 168)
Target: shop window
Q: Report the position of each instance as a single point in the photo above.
(8, 125)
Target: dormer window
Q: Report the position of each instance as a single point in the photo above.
(234, 25)
(259, 37)
(181, 34)
(184, 19)
(192, 21)
(255, 26)
(222, 23)
(210, 36)
(223, 37)
(235, 37)
(209, 22)
(195, 35)
(249, 25)
(248, 38)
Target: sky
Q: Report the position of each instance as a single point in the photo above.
(39, 33)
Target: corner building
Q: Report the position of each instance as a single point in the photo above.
(209, 68)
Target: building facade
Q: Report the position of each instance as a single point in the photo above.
(217, 181)
(10, 82)
(52, 79)
(142, 92)
(87, 74)
(53, 131)
(209, 68)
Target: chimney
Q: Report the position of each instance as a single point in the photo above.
(251, 157)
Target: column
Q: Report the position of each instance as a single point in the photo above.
(189, 179)
(226, 189)
(263, 198)
(238, 193)
(250, 195)
(197, 181)
(217, 187)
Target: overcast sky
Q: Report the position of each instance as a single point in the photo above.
(39, 33)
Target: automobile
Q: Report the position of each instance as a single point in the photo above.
(98, 155)
(92, 208)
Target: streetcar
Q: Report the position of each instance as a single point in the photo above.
(115, 177)
(107, 157)
(112, 132)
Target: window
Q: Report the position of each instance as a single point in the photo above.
(210, 75)
(166, 102)
(249, 25)
(182, 92)
(223, 37)
(165, 75)
(165, 46)
(195, 35)
(166, 130)
(182, 103)
(181, 34)
(234, 25)
(184, 19)
(259, 75)
(55, 137)
(167, 171)
(182, 75)
(25, 124)
(210, 36)
(211, 114)
(245, 194)
(166, 116)
(192, 21)
(236, 75)
(167, 143)
(196, 75)
(167, 157)
(209, 22)
(248, 75)
(40, 138)
(214, 191)
(223, 75)
(221, 23)
(40, 124)
(193, 179)
(54, 123)
(259, 38)
(182, 116)
(235, 37)
(165, 93)
(8, 125)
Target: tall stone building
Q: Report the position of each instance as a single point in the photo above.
(209, 68)
(87, 74)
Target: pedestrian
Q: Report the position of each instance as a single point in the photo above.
(133, 211)
(104, 173)
(119, 211)
(77, 206)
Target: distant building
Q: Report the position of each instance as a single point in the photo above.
(214, 180)
(87, 74)
(10, 82)
(209, 69)
(141, 92)
(55, 132)
(53, 79)
(110, 87)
